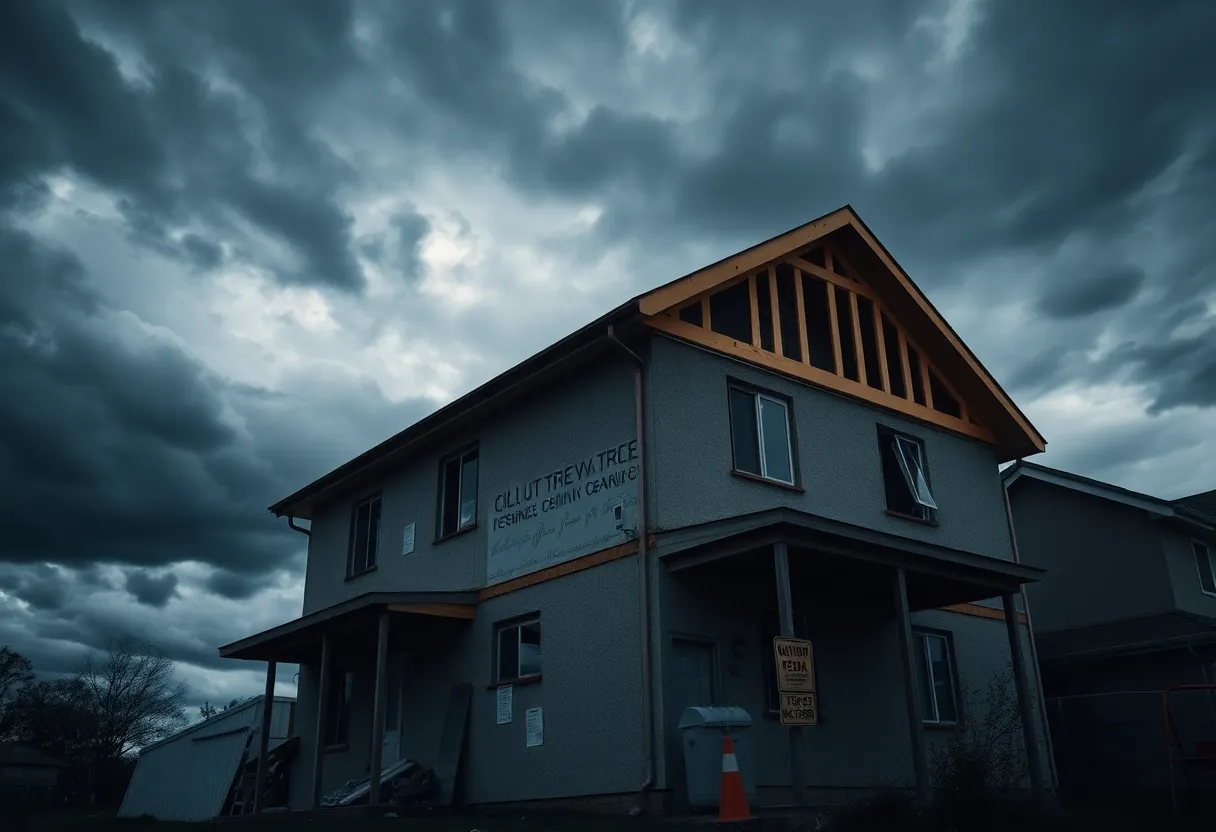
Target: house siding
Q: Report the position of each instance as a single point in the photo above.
(1104, 559)
(837, 456)
(585, 412)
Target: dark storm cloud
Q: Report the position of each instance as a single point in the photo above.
(153, 590)
(231, 585)
(181, 149)
(411, 228)
(203, 253)
(1073, 295)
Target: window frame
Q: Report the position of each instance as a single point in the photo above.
(1195, 544)
(441, 532)
(921, 636)
(375, 504)
(896, 439)
(757, 394)
(517, 623)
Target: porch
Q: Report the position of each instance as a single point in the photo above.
(862, 598)
(369, 638)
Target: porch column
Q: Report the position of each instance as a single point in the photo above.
(378, 709)
(322, 718)
(1025, 707)
(785, 615)
(916, 728)
(264, 740)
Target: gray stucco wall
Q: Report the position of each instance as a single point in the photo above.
(837, 457)
(1105, 559)
(585, 413)
(1184, 576)
(590, 694)
(863, 740)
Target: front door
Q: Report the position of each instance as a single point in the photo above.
(693, 681)
(391, 753)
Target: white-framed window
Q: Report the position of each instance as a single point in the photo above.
(517, 649)
(1203, 562)
(761, 444)
(905, 475)
(458, 492)
(934, 655)
(364, 537)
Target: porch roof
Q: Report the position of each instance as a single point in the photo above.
(962, 576)
(286, 641)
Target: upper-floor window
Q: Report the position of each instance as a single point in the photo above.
(934, 658)
(905, 475)
(760, 435)
(1203, 562)
(458, 492)
(517, 649)
(364, 535)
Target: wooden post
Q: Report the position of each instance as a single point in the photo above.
(785, 615)
(1025, 707)
(378, 709)
(916, 728)
(264, 740)
(322, 702)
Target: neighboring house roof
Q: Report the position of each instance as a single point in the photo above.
(219, 716)
(1132, 635)
(16, 754)
(992, 411)
(1187, 509)
(1203, 503)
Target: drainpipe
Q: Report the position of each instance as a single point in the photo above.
(291, 523)
(643, 568)
(1034, 650)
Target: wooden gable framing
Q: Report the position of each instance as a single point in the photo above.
(797, 305)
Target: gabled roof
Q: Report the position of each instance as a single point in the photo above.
(1182, 509)
(992, 415)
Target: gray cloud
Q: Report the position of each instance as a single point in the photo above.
(1075, 295)
(153, 590)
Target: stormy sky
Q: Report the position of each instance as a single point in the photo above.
(241, 242)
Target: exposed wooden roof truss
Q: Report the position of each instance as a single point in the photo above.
(810, 315)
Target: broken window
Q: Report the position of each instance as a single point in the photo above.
(818, 323)
(517, 648)
(458, 493)
(364, 535)
(760, 435)
(730, 312)
(905, 475)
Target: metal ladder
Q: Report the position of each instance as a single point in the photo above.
(245, 783)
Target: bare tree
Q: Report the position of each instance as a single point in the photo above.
(135, 696)
(207, 710)
(15, 670)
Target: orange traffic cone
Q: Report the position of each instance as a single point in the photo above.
(732, 797)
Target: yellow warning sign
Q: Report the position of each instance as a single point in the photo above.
(795, 665)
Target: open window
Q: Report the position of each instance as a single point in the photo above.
(458, 492)
(905, 475)
(364, 536)
(1203, 562)
(934, 656)
(517, 650)
(761, 442)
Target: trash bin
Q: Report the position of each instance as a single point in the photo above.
(701, 731)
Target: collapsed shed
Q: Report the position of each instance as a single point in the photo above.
(200, 773)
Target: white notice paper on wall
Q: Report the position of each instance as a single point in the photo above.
(534, 723)
(506, 707)
(407, 540)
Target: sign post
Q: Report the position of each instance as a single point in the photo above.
(795, 663)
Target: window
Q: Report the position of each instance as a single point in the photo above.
(935, 675)
(770, 628)
(1203, 562)
(905, 475)
(760, 435)
(364, 535)
(458, 493)
(517, 650)
(337, 709)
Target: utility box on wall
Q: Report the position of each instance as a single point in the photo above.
(702, 731)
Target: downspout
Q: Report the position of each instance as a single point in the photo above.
(291, 523)
(1034, 650)
(643, 568)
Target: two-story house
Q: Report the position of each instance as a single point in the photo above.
(789, 442)
(1128, 609)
